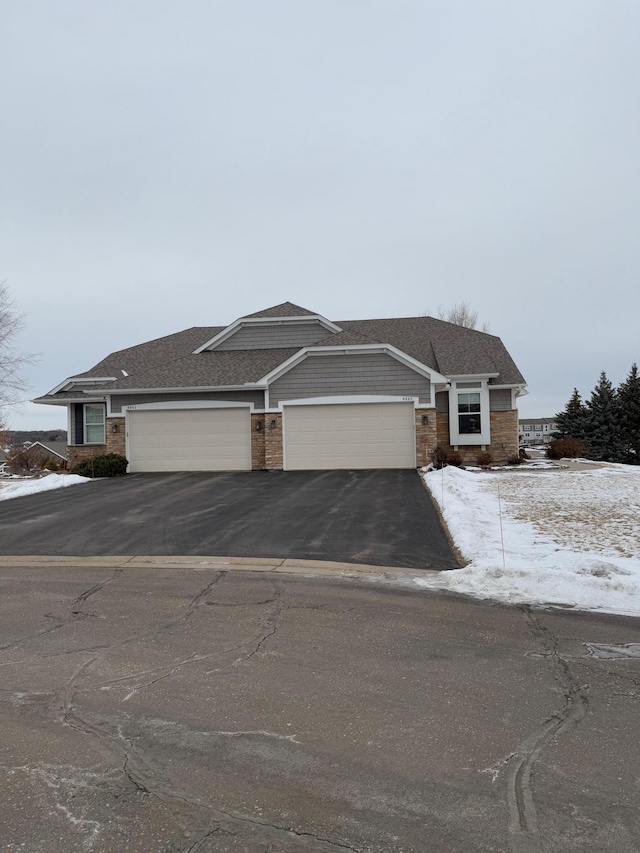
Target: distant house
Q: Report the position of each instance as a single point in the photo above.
(54, 450)
(287, 388)
(536, 430)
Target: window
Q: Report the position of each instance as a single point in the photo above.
(469, 421)
(94, 431)
(469, 414)
(538, 427)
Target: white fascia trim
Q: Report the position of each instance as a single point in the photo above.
(55, 402)
(65, 402)
(351, 399)
(470, 377)
(264, 321)
(388, 349)
(187, 404)
(77, 380)
(188, 389)
(503, 387)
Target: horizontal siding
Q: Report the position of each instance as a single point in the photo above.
(500, 400)
(341, 375)
(275, 336)
(255, 397)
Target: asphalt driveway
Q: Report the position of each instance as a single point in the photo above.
(382, 518)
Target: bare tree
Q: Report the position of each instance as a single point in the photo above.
(12, 361)
(461, 314)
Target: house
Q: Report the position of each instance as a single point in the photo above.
(536, 430)
(56, 451)
(286, 388)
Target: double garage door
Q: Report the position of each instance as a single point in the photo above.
(189, 439)
(315, 437)
(349, 435)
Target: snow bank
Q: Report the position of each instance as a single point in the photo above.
(571, 538)
(16, 488)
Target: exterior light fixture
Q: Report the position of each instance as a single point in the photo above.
(115, 428)
(425, 420)
(272, 424)
(258, 426)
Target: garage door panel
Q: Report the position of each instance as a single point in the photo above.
(189, 440)
(358, 435)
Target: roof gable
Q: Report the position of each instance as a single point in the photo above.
(279, 331)
(285, 309)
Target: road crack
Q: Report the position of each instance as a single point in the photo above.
(96, 588)
(523, 824)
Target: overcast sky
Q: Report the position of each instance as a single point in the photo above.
(172, 164)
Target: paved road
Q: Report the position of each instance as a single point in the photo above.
(190, 711)
(372, 517)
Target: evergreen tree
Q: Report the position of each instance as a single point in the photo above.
(573, 420)
(629, 402)
(603, 422)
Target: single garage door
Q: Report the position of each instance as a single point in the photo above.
(189, 439)
(350, 435)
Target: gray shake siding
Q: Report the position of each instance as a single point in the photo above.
(275, 336)
(442, 401)
(340, 375)
(500, 400)
(120, 400)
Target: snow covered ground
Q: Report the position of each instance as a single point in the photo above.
(17, 487)
(571, 538)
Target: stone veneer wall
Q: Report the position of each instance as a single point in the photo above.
(273, 442)
(258, 442)
(426, 436)
(504, 437)
(115, 443)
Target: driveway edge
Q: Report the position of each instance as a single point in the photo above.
(232, 564)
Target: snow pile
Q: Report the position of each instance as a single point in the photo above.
(571, 538)
(17, 488)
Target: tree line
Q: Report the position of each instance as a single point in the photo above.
(608, 422)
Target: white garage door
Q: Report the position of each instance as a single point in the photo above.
(358, 435)
(189, 439)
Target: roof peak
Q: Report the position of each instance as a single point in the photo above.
(285, 309)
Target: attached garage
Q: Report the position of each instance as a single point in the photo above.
(349, 435)
(189, 439)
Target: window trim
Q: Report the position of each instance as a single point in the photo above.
(103, 409)
(466, 438)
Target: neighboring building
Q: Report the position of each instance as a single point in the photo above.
(536, 430)
(54, 450)
(288, 389)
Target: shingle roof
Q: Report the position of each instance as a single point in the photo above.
(169, 362)
(347, 338)
(286, 309)
(207, 369)
(451, 350)
(58, 447)
(143, 356)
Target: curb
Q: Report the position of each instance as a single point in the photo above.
(234, 564)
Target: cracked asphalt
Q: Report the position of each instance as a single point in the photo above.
(205, 709)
